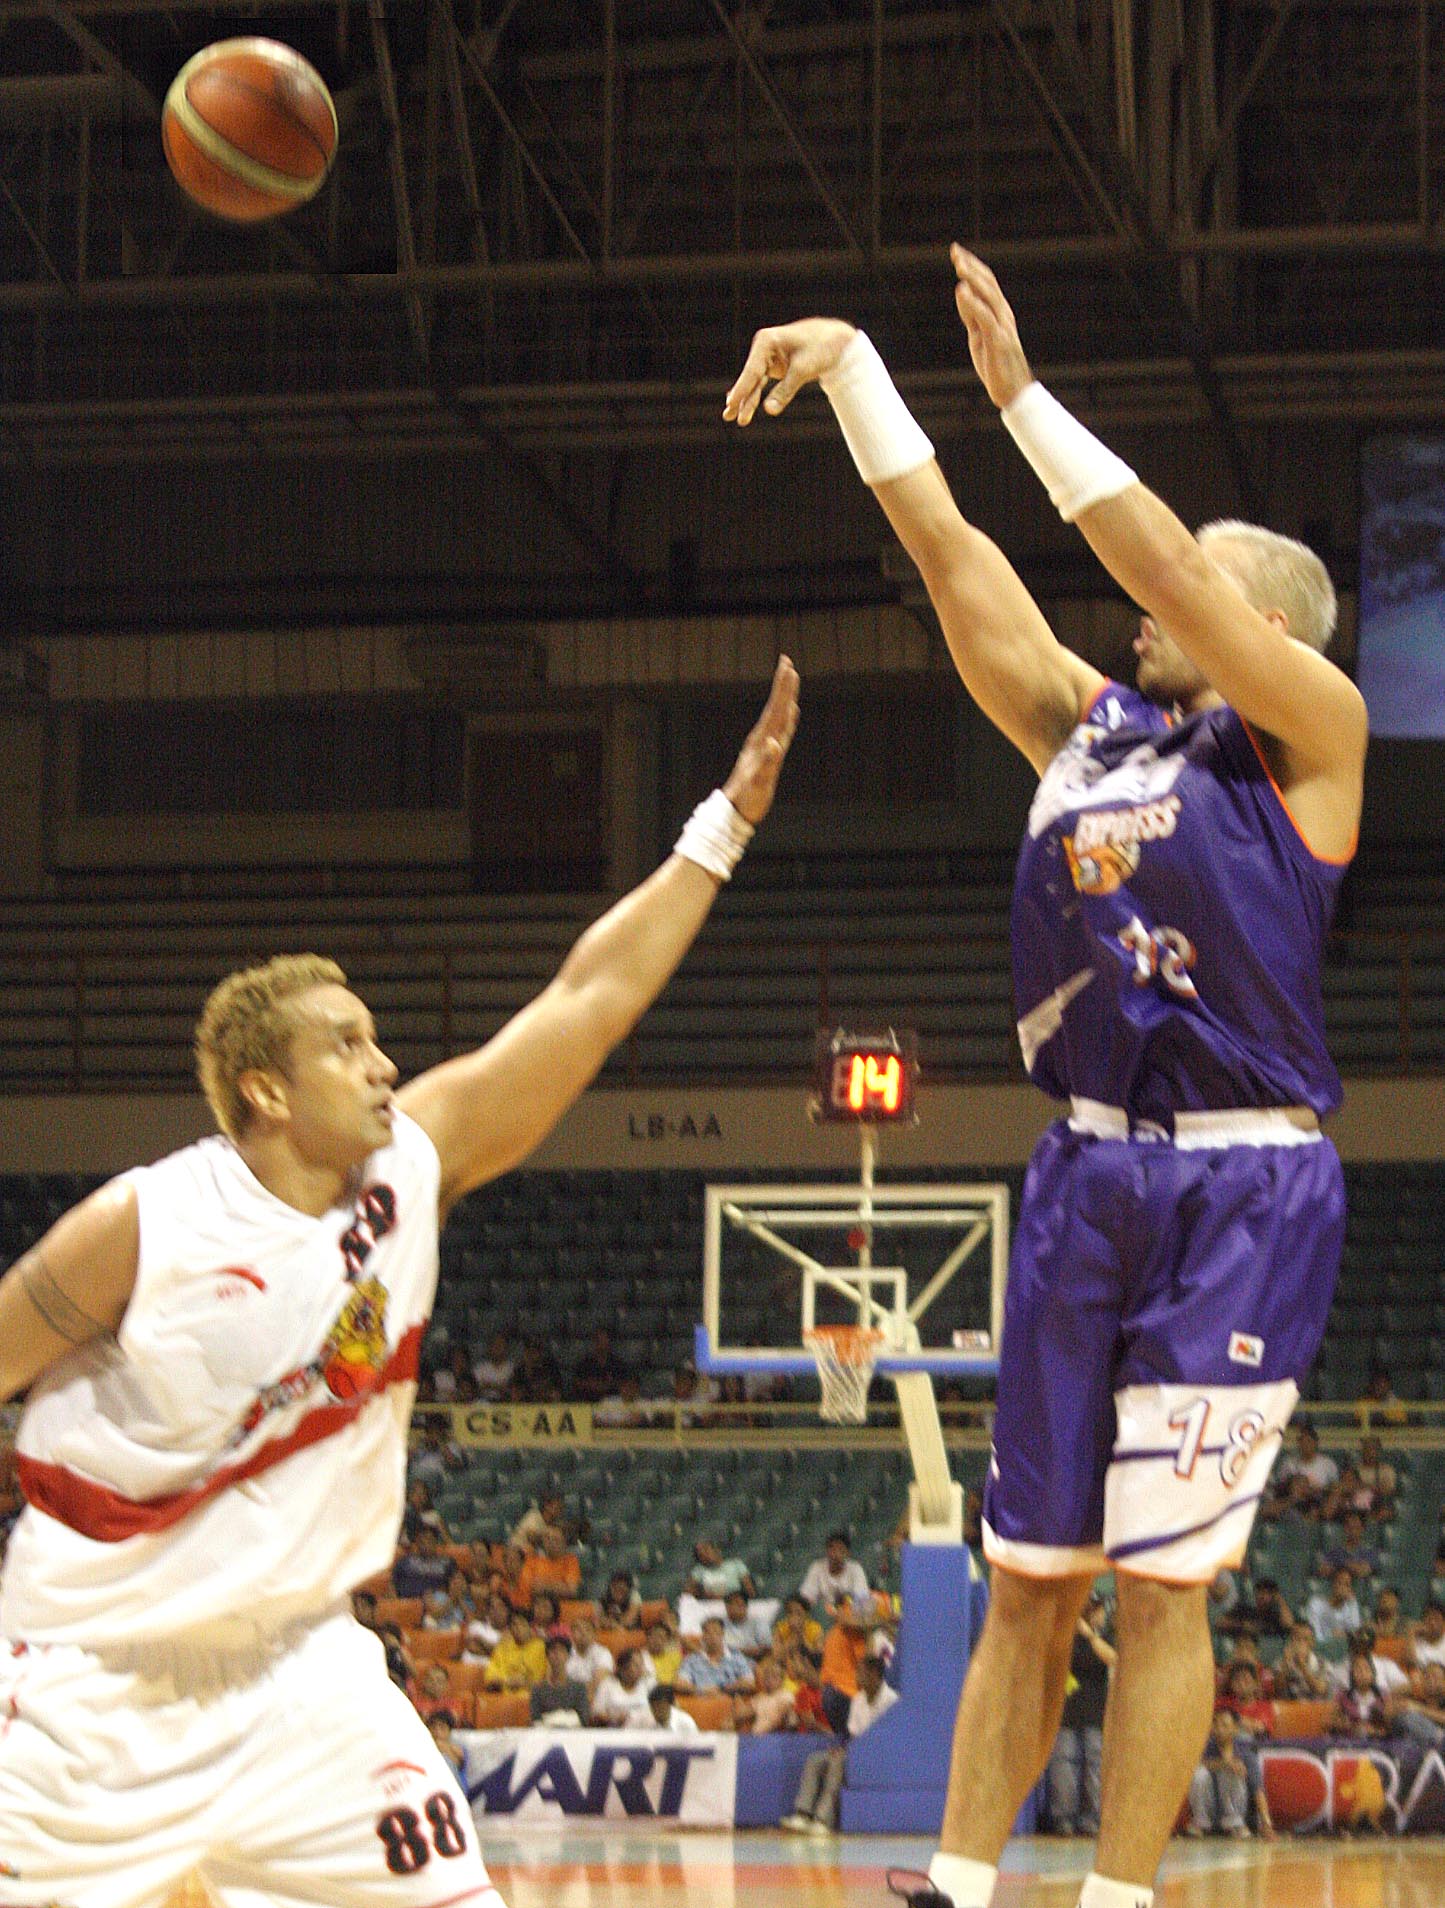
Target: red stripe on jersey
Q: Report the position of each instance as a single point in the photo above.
(108, 1517)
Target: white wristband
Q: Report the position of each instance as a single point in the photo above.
(1075, 468)
(714, 836)
(878, 427)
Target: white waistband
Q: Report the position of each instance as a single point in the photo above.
(1237, 1126)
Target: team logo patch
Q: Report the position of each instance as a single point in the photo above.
(1245, 1350)
(1106, 844)
(356, 1349)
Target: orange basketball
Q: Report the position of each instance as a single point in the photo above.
(249, 129)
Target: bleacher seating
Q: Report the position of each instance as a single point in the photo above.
(102, 989)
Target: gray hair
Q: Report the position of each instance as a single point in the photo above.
(1281, 573)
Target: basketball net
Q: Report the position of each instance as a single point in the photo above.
(845, 1356)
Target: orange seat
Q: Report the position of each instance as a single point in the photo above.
(1398, 1649)
(378, 1585)
(469, 1677)
(655, 1610)
(570, 1608)
(433, 1646)
(619, 1640)
(1302, 1716)
(711, 1711)
(405, 1612)
(501, 1709)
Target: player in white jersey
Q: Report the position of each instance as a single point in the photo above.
(220, 1353)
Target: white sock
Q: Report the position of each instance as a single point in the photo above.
(1099, 1892)
(967, 1884)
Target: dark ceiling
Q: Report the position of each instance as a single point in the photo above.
(559, 220)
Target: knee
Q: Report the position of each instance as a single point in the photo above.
(1149, 1607)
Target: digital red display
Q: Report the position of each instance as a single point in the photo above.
(866, 1077)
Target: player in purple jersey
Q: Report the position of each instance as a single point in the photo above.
(1180, 1231)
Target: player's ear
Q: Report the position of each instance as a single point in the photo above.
(265, 1094)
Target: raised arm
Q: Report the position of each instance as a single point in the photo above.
(1270, 675)
(71, 1287)
(1011, 663)
(486, 1110)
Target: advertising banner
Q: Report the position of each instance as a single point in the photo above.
(557, 1775)
(1397, 1785)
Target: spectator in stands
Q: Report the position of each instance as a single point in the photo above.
(713, 1665)
(590, 1661)
(1391, 1678)
(552, 1566)
(1359, 1709)
(1379, 1478)
(437, 1457)
(486, 1630)
(620, 1701)
(800, 1670)
(1299, 1673)
(845, 1644)
(513, 1558)
(664, 1653)
(449, 1608)
(772, 1709)
(1244, 1648)
(599, 1371)
(714, 1575)
(1378, 1404)
(547, 1615)
(815, 1810)
(536, 1376)
(1076, 1765)
(1244, 1696)
(835, 1577)
(454, 1383)
(1225, 1785)
(621, 1605)
(693, 1397)
(559, 1694)
(441, 1723)
(742, 1630)
(1420, 1713)
(549, 1510)
(520, 1658)
(1336, 1612)
(1387, 1620)
(796, 1628)
(493, 1370)
(422, 1512)
(421, 1568)
(625, 1408)
(1261, 1611)
(665, 1713)
(1350, 1494)
(1351, 1552)
(432, 1690)
(1307, 1475)
(1428, 1635)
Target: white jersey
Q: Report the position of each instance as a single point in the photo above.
(233, 1462)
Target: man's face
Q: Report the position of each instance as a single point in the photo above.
(1433, 1623)
(837, 1553)
(657, 1638)
(870, 1675)
(1309, 1445)
(557, 1659)
(333, 1096)
(736, 1605)
(1163, 672)
(583, 1634)
(712, 1636)
(629, 1670)
(520, 1626)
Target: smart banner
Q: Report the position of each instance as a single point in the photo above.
(554, 1775)
(482, 1424)
(1397, 1785)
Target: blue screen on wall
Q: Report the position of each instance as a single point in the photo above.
(1401, 666)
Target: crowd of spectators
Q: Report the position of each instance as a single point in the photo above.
(463, 1623)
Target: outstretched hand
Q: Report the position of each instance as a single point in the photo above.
(787, 357)
(754, 780)
(993, 332)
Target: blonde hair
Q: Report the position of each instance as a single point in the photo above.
(1280, 573)
(244, 1025)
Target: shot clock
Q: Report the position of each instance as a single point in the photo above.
(866, 1078)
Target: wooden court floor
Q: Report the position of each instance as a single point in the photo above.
(622, 1867)
(630, 1866)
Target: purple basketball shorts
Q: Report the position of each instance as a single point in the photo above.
(1163, 1307)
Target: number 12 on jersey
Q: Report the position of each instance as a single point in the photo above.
(1161, 951)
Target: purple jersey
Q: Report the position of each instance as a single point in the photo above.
(1169, 921)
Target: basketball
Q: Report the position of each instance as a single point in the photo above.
(249, 129)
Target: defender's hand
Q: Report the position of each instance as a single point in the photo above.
(793, 355)
(754, 780)
(993, 332)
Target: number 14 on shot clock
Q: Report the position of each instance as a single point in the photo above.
(867, 1077)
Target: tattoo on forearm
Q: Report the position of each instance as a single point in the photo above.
(60, 1312)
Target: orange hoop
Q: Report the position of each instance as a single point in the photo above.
(845, 1356)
